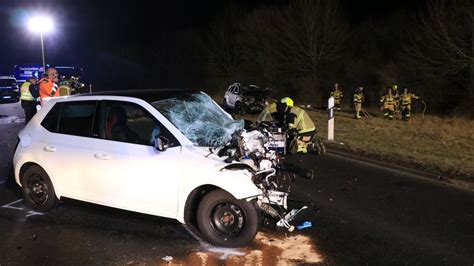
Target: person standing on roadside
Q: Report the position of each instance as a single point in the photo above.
(358, 100)
(406, 98)
(387, 103)
(48, 87)
(337, 95)
(29, 95)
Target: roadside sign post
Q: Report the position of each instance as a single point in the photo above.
(331, 118)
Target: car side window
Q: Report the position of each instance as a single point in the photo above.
(131, 123)
(50, 122)
(233, 89)
(77, 118)
(237, 90)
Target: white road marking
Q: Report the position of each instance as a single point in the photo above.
(12, 203)
(22, 209)
(32, 213)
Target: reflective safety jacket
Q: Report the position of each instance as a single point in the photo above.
(406, 98)
(299, 119)
(337, 94)
(358, 97)
(48, 88)
(26, 93)
(388, 99)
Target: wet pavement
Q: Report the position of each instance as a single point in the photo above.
(360, 214)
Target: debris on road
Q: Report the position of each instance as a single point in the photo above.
(167, 258)
(306, 224)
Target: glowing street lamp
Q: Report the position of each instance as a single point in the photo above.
(42, 25)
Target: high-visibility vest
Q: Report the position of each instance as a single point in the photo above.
(48, 88)
(302, 122)
(25, 92)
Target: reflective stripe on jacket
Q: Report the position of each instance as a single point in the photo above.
(336, 94)
(388, 99)
(300, 120)
(406, 98)
(266, 114)
(358, 97)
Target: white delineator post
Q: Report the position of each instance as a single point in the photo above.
(331, 118)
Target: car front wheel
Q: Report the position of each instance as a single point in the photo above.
(38, 190)
(225, 221)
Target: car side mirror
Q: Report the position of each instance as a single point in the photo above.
(161, 143)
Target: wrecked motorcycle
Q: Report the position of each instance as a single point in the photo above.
(284, 140)
(252, 151)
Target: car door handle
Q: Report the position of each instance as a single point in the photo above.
(102, 156)
(49, 148)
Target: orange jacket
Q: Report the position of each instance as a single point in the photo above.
(48, 88)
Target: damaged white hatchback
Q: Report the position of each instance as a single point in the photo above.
(170, 153)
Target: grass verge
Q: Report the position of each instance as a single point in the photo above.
(443, 146)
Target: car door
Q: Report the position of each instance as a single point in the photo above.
(65, 143)
(127, 171)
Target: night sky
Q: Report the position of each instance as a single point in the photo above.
(84, 28)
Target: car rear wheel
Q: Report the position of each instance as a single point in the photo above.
(38, 190)
(225, 221)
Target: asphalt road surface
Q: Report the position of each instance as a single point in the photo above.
(361, 214)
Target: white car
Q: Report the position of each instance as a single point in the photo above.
(148, 151)
(245, 99)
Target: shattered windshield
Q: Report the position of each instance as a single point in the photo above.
(199, 118)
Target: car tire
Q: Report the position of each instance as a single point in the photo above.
(225, 221)
(38, 191)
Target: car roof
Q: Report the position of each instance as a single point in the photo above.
(148, 95)
(7, 77)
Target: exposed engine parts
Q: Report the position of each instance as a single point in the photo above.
(252, 151)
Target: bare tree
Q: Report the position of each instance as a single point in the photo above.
(442, 44)
(222, 45)
(312, 33)
(258, 42)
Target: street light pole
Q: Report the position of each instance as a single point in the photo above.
(42, 52)
(42, 25)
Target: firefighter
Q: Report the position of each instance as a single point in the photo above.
(268, 114)
(337, 95)
(48, 87)
(299, 125)
(406, 98)
(396, 96)
(358, 100)
(29, 95)
(387, 103)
